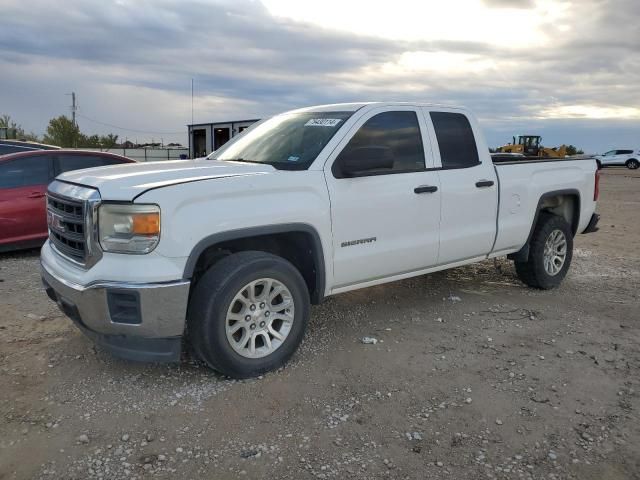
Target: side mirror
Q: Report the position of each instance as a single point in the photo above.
(361, 161)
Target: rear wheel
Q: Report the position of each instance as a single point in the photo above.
(550, 253)
(632, 164)
(248, 314)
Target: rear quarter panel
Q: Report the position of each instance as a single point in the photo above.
(522, 185)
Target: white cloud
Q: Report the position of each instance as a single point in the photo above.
(444, 63)
(591, 112)
(410, 20)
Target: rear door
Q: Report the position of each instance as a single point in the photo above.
(385, 222)
(468, 184)
(23, 185)
(624, 155)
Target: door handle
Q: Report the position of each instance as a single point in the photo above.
(425, 189)
(484, 183)
(36, 195)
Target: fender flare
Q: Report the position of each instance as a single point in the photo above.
(318, 253)
(523, 254)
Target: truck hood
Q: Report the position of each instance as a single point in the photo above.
(127, 181)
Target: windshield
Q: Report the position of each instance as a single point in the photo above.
(290, 141)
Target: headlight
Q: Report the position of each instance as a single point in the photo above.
(127, 228)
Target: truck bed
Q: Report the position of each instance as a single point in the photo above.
(523, 182)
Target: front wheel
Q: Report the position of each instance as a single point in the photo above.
(632, 164)
(248, 314)
(550, 253)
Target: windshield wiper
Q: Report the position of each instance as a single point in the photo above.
(239, 160)
(276, 165)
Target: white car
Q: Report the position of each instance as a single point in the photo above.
(230, 251)
(629, 158)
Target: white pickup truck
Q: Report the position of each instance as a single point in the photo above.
(230, 251)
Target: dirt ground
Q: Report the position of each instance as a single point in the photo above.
(474, 376)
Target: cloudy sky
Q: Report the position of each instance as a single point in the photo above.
(568, 70)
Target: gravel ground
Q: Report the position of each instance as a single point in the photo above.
(472, 375)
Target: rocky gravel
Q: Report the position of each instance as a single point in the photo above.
(471, 375)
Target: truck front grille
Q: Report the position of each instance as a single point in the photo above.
(66, 219)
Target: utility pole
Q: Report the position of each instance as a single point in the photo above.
(74, 108)
(192, 101)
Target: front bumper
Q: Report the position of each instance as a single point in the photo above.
(135, 321)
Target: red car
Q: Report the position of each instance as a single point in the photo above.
(23, 184)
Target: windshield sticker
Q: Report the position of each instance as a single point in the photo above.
(323, 122)
(293, 158)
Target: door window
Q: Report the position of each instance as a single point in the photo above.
(455, 140)
(394, 136)
(24, 172)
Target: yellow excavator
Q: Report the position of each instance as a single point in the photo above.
(530, 146)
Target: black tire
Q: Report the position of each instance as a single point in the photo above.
(532, 271)
(212, 296)
(632, 164)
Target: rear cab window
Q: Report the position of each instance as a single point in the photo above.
(456, 141)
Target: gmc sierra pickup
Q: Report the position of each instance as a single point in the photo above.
(230, 251)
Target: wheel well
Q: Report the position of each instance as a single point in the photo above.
(299, 248)
(563, 205)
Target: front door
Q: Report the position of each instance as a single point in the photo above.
(385, 221)
(23, 186)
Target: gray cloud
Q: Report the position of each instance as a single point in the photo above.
(131, 65)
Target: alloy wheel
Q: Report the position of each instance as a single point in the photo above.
(259, 318)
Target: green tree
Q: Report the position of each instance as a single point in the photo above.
(62, 132)
(97, 141)
(573, 150)
(91, 141)
(109, 141)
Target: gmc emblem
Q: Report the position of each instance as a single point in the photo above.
(55, 221)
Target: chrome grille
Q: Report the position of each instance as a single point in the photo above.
(72, 215)
(66, 219)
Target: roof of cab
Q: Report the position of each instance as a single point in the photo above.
(352, 107)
